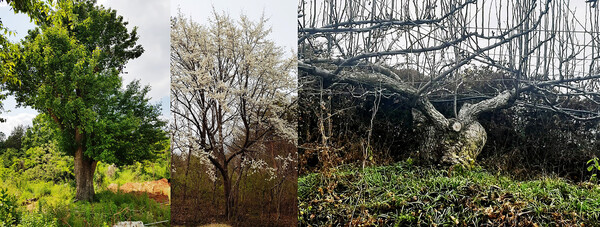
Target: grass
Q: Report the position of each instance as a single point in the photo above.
(53, 206)
(111, 208)
(46, 203)
(403, 194)
(138, 172)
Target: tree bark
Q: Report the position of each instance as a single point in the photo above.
(227, 192)
(456, 144)
(446, 141)
(84, 175)
(84, 170)
(455, 140)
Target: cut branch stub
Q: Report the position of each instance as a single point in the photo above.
(466, 146)
(459, 143)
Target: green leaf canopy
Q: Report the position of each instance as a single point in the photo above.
(69, 69)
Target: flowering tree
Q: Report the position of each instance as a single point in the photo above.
(231, 89)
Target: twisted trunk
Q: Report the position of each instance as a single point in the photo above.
(453, 145)
(446, 141)
(456, 140)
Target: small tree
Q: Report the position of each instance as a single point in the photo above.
(69, 69)
(15, 137)
(230, 88)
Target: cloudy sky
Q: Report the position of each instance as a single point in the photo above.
(282, 15)
(152, 68)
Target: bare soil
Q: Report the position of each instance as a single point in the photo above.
(159, 190)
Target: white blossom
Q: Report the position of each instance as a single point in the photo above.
(231, 88)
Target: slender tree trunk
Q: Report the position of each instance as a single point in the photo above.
(187, 170)
(236, 197)
(227, 192)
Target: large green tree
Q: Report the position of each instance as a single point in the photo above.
(37, 11)
(69, 69)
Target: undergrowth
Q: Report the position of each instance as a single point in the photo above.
(110, 208)
(47, 203)
(403, 194)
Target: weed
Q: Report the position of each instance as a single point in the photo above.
(403, 194)
(8, 209)
(594, 166)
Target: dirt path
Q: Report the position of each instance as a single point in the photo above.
(159, 190)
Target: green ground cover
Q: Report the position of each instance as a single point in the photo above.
(404, 194)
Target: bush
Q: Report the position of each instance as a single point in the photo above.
(110, 208)
(8, 209)
(38, 220)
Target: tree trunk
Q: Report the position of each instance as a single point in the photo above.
(84, 171)
(227, 192)
(453, 145)
(464, 147)
(446, 141)
(84, 175)
(456, 140)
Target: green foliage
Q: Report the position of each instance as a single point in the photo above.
(9, 156)
(8, 209)
(70, 71)
(47, 163)
(99, 28)
(111, 208)
(37, 156)
(159, 168)
(399, 195)
(128, 129)
(53, 202)
(37, 11)
(41, 176)
(38, 219)
(47, 193)
(594, 166)
(2, 138)
(43, 131)
(15, 138)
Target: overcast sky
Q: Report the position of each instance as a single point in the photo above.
(282, 15)
(152, 68)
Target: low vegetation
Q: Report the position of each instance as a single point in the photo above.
(37, 186)
(43, 203)
(52, 204)
(403, 194)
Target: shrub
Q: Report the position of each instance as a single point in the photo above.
(8, 209)
(38, 220)
(594, 166)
